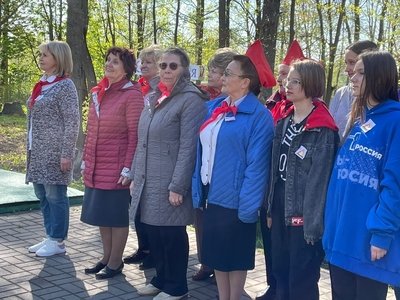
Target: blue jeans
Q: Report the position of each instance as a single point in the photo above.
(54, 204)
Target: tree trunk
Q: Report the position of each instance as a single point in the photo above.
(332, 51)
(154, 23)
(223, 13)
(178, 10)
(357, 22)
(322, 39)
(269, 31)
(83, 74)
(110, 21)
(269, 28)
(199, 32)
(14, 108)
(140, 24)
(382, 22)
(291, 21)
(130, 33)
(4, 53)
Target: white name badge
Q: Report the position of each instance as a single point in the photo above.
(229, 119)
(367, 126)
(301, 152)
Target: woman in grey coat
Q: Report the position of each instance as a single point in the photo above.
(162, 170)
(53, 123)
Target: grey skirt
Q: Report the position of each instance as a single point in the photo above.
(106, 208)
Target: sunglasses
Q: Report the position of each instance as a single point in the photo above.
(173, 66)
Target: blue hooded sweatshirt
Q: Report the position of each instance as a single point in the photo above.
(363, 198)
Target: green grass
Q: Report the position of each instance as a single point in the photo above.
(12, 143)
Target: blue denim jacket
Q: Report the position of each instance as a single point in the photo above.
(306, 178)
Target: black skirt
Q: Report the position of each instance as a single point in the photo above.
(228, 243)
(106, 208)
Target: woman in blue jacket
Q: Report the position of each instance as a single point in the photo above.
(362, 217)
(231, 175)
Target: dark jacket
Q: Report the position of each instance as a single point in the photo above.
(307, 178)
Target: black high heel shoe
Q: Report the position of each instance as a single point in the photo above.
(109, 273)
(97, 268)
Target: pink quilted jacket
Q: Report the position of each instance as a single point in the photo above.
(112, 135)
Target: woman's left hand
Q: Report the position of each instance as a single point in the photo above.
(65, 164)
(123, 180)
(377, 253)
(175, 199)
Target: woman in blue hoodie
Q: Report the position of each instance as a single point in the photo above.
(362, 216)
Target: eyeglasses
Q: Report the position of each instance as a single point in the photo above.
(173, 66)
(229, 74)
(292, 82)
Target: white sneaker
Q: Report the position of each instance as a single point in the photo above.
(51, 248)
(148, 290)
(165, 296)
(36, 247)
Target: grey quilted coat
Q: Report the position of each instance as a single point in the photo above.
(165, 155)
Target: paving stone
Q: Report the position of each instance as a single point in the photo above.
(25, 276)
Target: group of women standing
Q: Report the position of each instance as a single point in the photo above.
(160, 148)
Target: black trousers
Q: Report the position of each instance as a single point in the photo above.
(169, 246)
(349, 286)
(296, 264)
(266, 237)
(143, 240)
(198, 226)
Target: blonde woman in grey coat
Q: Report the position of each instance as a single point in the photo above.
(162, 169)
(53, 124)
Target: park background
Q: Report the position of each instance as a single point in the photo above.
(323, 28)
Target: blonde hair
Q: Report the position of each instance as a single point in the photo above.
(153, 51)
(62, 55)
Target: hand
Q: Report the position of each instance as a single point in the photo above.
(377, 253)
(269, 222)
(123, 180)
(65, 164)
(175, 199)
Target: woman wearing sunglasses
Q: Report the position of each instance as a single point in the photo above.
(162, 169)
(230, 177)
(304, 147)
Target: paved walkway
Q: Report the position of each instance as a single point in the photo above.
(24, 276)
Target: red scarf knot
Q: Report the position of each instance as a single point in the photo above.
(145, 86)
(37, 89)
(101, 88)
(224, 108)
(165, 92)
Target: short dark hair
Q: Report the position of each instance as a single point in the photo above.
(222, 58)
(249, 71)
(361, 46)
(127, 57)
(312, 77)
(183, 57)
